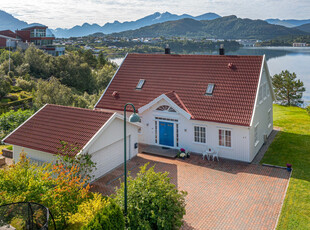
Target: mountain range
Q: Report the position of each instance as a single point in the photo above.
(229, 27)
(117, 26)
(304, 27)
(8, 21)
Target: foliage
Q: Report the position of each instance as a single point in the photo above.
(97, 213)
(11, 120)
(103, 76)
(109, 218)
(85, 165)
(153, 202)
(292, 145)
(24, 181)
(73, 71)
(5, 86)
(288, 90)
(39, 62)
(308, 109)
(57, 187)
(52, 92)
(26, 85)
(69, 191)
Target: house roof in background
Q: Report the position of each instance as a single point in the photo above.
(54, 123)
(184, 79)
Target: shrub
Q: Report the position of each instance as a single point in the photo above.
(85, 165)
(5, 86)
(68, 192)
(308, 109)
(25, 85)
(153, 202)
(99, 211)
(23, 181)
(109, 218)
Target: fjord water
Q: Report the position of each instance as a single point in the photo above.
(294, 59)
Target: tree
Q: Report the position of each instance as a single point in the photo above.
(288, 90)
(103, 76)
(39, 62)
(153, 202)
(52, 92)
(5, 86)
(11, 120)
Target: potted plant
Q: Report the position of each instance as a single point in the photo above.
(289, 167)
(182, 153)
(188, 154)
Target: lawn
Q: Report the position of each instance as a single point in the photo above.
(292, 145)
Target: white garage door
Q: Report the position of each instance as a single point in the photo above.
(110, 157)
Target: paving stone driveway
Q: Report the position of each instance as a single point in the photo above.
(221, 195)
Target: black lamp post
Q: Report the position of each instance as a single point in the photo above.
(133, 118)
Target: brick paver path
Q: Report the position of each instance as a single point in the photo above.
(221, 195)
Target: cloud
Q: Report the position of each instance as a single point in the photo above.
(67, 13)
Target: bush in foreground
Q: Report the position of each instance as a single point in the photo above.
(97, 213)
(153, 202)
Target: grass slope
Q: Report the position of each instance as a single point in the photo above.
(292, 145)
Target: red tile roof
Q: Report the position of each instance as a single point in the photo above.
(188, 76)
(55, 123)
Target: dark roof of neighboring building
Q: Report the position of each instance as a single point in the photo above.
(184, 79)
(35, 27)
(8, 33)
(54, 123)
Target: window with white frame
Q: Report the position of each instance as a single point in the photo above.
(256, 135)
(225, 137)
(200, 134)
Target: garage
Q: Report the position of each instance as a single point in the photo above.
(94, 132)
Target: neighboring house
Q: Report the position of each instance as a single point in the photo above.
(95, 132)
(37, 35)
(196, 101)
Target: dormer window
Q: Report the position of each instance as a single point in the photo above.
(140, 84)
(210, 88)
(166, 108)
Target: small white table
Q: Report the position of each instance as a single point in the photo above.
(209, 152)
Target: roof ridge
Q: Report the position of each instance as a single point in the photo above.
(197, 55)
(77, 108)
(181, 102)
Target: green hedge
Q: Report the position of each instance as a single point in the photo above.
(5, 107)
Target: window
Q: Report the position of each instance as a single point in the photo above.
(256, 135)
(224, 137)
(177, 131)
(140, 84)
(200, 134)
(210, 88)
(269, 118)
(156, 131)
(166, 108)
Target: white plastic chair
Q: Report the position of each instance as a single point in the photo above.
(215, 154)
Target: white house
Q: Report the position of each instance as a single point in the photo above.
(97, 133)
(196, 101)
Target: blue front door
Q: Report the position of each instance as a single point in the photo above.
(166, 133)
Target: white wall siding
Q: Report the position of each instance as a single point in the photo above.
(260, 118)
(108, 149)
(34, 155)
(240, 135)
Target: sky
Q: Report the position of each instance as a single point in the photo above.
(68, 13)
